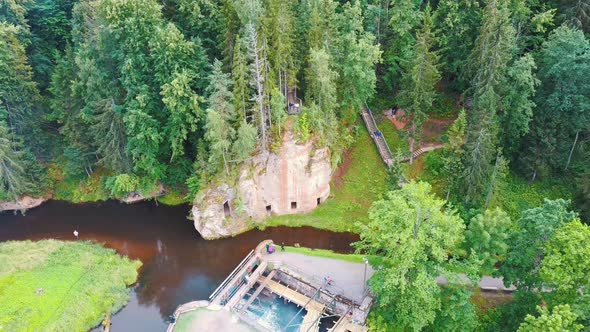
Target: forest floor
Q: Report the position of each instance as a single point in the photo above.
(61, 286)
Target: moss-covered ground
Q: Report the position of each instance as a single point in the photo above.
(53, 285)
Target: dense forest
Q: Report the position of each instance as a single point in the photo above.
(130, 95)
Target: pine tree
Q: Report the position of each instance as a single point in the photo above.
(18, 91)
(419, 88)
(245, 142)
(487, 64)
(356, 58)
(13, 178)
(257, 70)
(321, 80)
(240, 76)
(219, 134)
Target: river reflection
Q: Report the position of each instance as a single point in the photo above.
(178, 265)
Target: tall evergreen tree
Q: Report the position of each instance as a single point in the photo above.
(419, 82)
(13, 176)
(487, 63)
(563, 103)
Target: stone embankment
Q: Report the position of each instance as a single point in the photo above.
(296, 179)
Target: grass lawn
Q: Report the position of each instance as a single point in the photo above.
(53, 285)
(354, 258)
(363, 182)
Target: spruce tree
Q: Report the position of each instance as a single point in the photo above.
(419, 82)
(487, 65)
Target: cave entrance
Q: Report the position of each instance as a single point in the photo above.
(226, 209)
(319, 200)
(268, 209)
(293, 205)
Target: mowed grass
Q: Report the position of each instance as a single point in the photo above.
(364, 181)
(354, 258)
(53, 285)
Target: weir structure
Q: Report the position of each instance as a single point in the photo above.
(259, 274)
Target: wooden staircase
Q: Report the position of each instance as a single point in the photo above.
(377, 136)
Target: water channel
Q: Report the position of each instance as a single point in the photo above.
(178, 265)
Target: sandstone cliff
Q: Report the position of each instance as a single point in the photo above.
(294, 180)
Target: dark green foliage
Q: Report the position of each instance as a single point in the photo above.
(563, 104)
(536, 227)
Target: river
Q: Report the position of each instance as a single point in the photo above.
(178, 265)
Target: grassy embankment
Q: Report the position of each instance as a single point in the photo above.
(61, 286)
(354, 258)
(364, 181)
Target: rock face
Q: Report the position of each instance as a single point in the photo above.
(22, 204)
(296, 180)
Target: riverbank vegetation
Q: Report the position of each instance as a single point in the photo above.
(52, 285)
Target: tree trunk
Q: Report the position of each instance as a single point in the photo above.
(492, 182)
(569, 158)
(225, 163)
(412, 140)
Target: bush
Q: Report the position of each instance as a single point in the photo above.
(122, 184)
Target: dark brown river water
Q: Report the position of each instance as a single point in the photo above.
(178, 265)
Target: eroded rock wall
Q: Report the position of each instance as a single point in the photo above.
(294, 180)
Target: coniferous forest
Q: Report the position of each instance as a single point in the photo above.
(122, 96)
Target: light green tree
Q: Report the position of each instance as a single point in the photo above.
(219, 134)
(525, 255)
(321, 80)
(453, 154)
(487, 236)
(561, 318)
(412, 234)
(565, 267)
(245, 142)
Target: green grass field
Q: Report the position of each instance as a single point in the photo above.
(362, 183)
(53, 285)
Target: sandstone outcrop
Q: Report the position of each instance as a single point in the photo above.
(296, 179)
